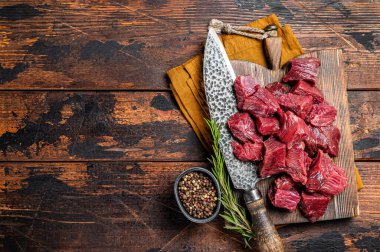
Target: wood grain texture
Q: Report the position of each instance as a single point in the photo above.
(100, 206)
(108, 206)
(95, 126)
(272, 47)
(365, 124)
(114, 44)
(332, 83)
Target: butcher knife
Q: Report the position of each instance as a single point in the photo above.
(219, 78)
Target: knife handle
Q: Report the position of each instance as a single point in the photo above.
(267, 237)
(272, 49)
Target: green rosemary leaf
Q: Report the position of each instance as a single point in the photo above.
(232, 228)
(227, 218)
(233, 213)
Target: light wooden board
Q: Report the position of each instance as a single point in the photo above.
(333, 85)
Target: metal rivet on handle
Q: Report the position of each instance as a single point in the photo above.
(270, 28)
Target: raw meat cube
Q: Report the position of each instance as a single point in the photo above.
(296, 163)
(321, 115)
(300, 105)
(308, 160)
(305, 69)
(261, 104)
(304, 88)
(282, 193)
(243, 128)
(277, 89)
(315, 140)
(332, 135)
(274, 158)
(248, 151)
(324, 177)
(313, 205)
(292, 129)
(244, 86)
(326, 138)
(267, 125)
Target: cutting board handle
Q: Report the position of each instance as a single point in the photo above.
(272, 48)
(267, 237)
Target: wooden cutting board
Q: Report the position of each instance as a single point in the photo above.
(334, 88)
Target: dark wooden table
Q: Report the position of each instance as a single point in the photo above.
(91, 138)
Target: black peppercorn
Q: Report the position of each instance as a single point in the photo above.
(201, 201)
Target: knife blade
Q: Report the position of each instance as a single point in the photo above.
(219, 78)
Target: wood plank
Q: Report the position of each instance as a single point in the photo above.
(94, 206)
(365, 123)
(94, 126)
(131, 125)
(113, 45)
(102, 206)
(333, 86)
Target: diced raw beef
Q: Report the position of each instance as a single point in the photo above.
(326, 138)
(308, 160)
(304, 88)
(292, 129)
(332, 134)
(277, 89)
(243, 128)
(321, 115)
(305, 69)
(244, 86)
(282, 193)
(300, 105)
(261, 104)
(274, 158)
(248, 151)
(313, 205)
(267, 125)
(315, 140)
(325, 177)
(296, 163)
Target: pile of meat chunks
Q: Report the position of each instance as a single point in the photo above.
(288, 130)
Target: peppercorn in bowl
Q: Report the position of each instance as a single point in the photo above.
(197, 194)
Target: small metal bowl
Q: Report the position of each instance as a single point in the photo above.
(182, 208)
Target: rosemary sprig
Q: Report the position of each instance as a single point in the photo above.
(233, 213)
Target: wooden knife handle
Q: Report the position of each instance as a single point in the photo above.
(267, 237)
(272, 48)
